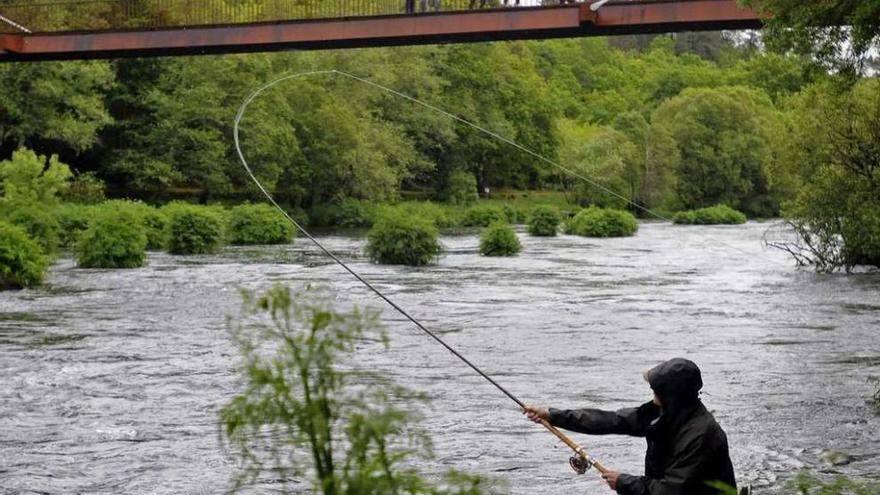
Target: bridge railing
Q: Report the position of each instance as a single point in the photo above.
(89, 15)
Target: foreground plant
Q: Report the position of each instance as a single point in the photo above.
(307, 414)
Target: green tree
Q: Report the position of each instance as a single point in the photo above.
(838, 33)
(28, 177)
(56, 101)
(835, 148)
(724, 140)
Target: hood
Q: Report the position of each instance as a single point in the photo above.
(675, 381)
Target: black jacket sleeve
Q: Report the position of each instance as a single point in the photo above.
(678, 478)
(631, 421)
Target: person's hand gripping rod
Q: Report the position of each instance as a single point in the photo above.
(581, 462)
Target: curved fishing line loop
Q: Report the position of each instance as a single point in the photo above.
(326, 251)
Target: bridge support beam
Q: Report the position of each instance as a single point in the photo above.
(449, 27)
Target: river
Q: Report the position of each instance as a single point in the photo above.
(110, 380)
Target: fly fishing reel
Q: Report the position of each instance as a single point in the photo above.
(580, 464)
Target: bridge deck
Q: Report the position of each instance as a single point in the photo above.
(638, 16)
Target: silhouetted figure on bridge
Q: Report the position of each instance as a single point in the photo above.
(409, 6)
(435, 4)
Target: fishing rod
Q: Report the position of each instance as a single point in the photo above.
(581, 461)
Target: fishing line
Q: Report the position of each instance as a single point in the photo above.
(326, 251)
(584, 461)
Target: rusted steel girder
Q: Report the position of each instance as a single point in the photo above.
(646, 16)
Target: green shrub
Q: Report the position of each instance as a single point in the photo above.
(441, 216)
(514, 215)
(403, 240)
(153, 220)
(603, 222)
(461, 188)
(499, 239)
(482, 216)
(258, 224)
(73, 220)
(22, 262)
(85, 188)
(713, 215)
(39, 224)
(113, 240)
(29, 177)
(193, 229)
(348, 213)
(544, 221)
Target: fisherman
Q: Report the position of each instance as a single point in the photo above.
(687, 449)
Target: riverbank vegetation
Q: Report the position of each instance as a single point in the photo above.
(330, 429)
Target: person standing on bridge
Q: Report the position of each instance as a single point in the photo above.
(435, 4)
(687, 449)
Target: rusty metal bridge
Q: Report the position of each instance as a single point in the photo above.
(89, 29)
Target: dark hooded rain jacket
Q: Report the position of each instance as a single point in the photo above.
(686, 447)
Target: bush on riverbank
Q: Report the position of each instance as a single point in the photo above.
(153, 220)
(39, 224)
(73, 220)
(499, 239)
(442, 216)
(483, 215)
(113, 240)
(258, 224)
(603, 222)
(347, 213)
(713, 215)
(403, 240)
(22, 262)
(193, 229)
(543, 221)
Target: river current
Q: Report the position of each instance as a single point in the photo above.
(111, 380)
